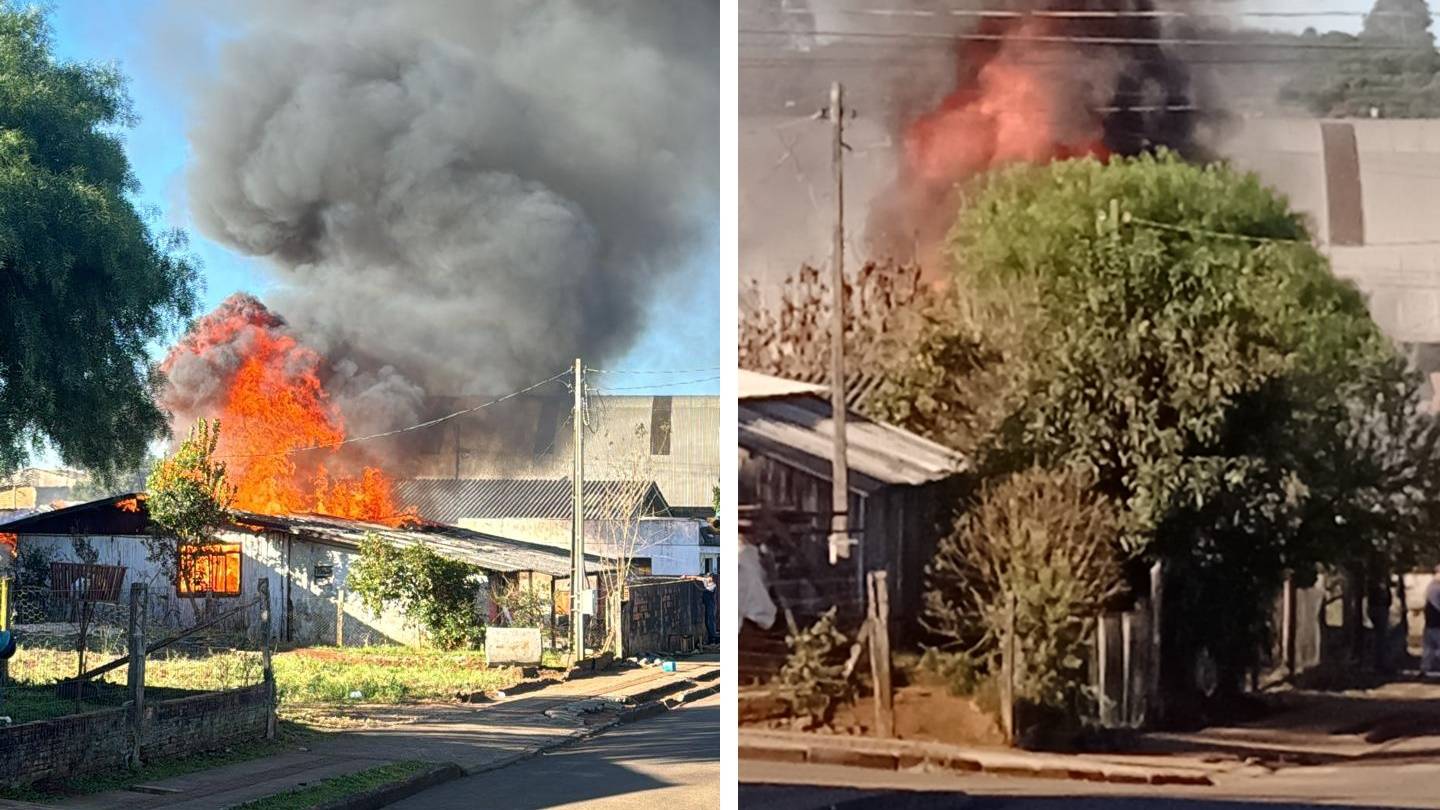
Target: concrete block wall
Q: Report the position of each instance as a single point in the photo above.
(205, 722)
(663, 617)
(100, 741)
(50, 749)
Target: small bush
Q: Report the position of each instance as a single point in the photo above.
(811, 682)
(1045, 540)
(959, 671)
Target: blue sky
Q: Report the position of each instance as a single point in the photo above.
(141, 37)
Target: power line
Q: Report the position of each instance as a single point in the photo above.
(1088, 14)
(653, 371)
(1070, 39)
(660, 385)
(1240, 237)
(397, 431)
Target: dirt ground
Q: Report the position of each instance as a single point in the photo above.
(926, 713)
(921, 713)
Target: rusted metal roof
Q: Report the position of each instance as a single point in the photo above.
(800, 431)
(450, 500)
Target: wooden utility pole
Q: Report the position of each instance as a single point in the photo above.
(840, 476)
(577, 524)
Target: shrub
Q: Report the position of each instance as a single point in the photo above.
(436, 593)
(1045, 540)
(961, 673)
(812, 681)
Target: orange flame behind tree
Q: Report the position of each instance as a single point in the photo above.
(280, 430)
(1050, 80)
(1022, 97)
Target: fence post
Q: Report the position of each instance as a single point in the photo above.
(263, 590)
(880, 654)
(135, 672)
(1154, 705)
(340, 618)
(1007, 666)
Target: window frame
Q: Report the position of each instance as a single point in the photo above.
(221, 551)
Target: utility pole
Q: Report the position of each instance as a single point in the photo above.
(577, 524)
(840, 475)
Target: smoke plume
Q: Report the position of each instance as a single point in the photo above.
(456, 197)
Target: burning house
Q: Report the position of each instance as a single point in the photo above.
(448, 225)
(306, 558)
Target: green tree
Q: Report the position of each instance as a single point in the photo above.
(1170, 330)
(85, 283)
(187, 498)
(435, 593)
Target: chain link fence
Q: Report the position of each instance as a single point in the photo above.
(73, 646)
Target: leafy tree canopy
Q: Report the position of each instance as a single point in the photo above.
(85, 284)
(186, 493)
(1170, 330)
(1160, 352)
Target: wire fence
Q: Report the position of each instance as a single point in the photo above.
(74, 648)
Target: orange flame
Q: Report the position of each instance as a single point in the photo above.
(1012, 110)
(278, 427)
(1013, 102)
(129, 504)
(10, 542)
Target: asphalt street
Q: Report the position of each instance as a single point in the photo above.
(670, 761)
(779, 786)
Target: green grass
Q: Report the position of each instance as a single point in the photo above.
(25, 703)
(339, 787)
(289, 735)
(384, 675)
(314, 675)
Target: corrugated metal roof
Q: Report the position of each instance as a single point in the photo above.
(487, 551)
(754, 385)
(799, 430)
(450, 500)
(859, 385)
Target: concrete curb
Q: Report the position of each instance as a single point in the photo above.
(395, 791)
(900, 755)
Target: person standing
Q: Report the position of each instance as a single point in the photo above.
(1430, 659)
(709, 598)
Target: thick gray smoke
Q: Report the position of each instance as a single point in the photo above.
(459, 196)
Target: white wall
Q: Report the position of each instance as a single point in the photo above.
(262, 555)
(672, 544)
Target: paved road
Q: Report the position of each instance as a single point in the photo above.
(773, 786)
(671, 761)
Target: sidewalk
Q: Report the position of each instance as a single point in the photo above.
(903, 755)
(1394, 722)
(477, 737)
